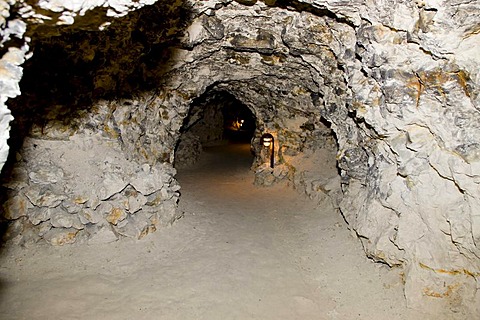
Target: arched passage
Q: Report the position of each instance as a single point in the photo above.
(214, 118)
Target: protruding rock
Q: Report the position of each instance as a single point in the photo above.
(102, 235)
(38, 215)
(16, 207)
(116, 215)
(44, 196)
(60, 236)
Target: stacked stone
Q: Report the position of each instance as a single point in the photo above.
(80, 184)
(50, 208)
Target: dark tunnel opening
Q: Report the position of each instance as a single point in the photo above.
(239, 123)
(216, 121)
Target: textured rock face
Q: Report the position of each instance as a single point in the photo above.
(410, 185)
(14, 49)
(73, 180)
(397, 82)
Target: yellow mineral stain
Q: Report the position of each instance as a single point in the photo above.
(474, 31)
(416, 84)
(451, 272)
(111, 131)
(67, 238)
(433, 80)
(147, 230)
(80, 200)
(462, 79)
(447, 293)
(115, 215)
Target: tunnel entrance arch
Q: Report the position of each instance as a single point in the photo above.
(215, 118)
(305, 150)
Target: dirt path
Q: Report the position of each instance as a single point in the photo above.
(240, 252)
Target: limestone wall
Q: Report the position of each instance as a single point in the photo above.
(14, 48)
(75, 181)
(89, 168)
(417, 97)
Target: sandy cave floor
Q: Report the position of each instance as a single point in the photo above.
(240, 252)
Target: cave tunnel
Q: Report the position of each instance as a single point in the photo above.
(214, 119)
(375, 122)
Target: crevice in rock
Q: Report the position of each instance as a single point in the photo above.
(317, 10)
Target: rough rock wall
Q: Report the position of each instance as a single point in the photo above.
(206, 119)
(14, 48)
(147, 130)
(203, 126)
(90, 168)
(398, 82)
(77, 181)
(269, 70)
(415, 101)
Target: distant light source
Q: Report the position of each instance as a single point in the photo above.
(268, 141)
(237, 124)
